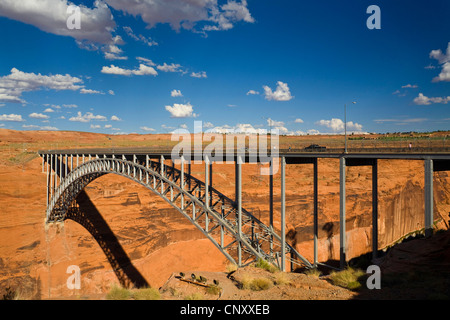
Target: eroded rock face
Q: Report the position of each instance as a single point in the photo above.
(140, 237)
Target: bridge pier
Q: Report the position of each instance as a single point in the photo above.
(342, 235)
(428, 197)
(238, 184)
(283, 214)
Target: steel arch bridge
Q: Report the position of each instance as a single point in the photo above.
(240, 236)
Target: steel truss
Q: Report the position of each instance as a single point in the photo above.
(240, 236)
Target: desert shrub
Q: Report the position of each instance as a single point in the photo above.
(231, 267)
(282, 278)
(194, 296)
(118, 293)
(256, 284)
(213, 289)
(314, 272)
(347, 278)
(263, 264)
(146, 294)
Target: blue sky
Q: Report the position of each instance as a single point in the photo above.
(154, 66)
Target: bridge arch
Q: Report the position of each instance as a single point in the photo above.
(215, 215)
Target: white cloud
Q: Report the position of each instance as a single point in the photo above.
(143, 70)
(252, 92)
(445, 73)
(173, 67)
(444, 60)
(176, 93)
(282, 92)
(32, 126)
(52, 15)
(208, 125)
(410, 86)
(49, 110)
(181, 110)
(298, 120)
(187, 13)
(70, 106)
(140, 37)
(337, 125)
(116, 70)
(201, 74)
(89, 91)
(115, 118)
(11, 117)
(95, 126)
(144, 128)
(146, 61)
(87, 117)
(17, 82)
(108, 126)
(35, 115)
(424, 100)
(111, 92)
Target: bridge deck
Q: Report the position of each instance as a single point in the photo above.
(368, 153)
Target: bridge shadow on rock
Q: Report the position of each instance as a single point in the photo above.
(87, 215)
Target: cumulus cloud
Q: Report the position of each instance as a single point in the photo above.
(52, 15)
(89, 91)
(252, 92)
(201, 74)
(444, 60)
(181, 110)
(298, 120)
(32, 126)
(176, 93)
(198, 15)
(424, 100)
(146, 61)
(337, 125)
(281, 93)
(144, 128)
(11, 117)
(17, 82)
(115, 118)
(142, 71)
(173, 67)
(35, 115)
(87, 117)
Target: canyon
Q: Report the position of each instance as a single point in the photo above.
(126, 232)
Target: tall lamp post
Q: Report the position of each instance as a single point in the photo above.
(345, 124)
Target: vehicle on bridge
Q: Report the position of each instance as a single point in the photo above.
(315, 147)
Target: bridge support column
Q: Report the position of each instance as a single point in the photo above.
(342, 235)
(428, 197)
(238, 183)
(283, 214)
(206, 191)
(181, 180)
(374, 208)
(271, 164)
(51, 176)
(48, 178)
(316, 213)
